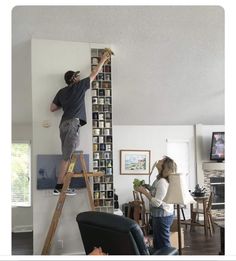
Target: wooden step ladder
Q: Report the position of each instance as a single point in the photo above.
(67, 179)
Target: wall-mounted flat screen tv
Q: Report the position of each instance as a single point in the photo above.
(218, 146)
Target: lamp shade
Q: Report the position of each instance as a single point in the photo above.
(178, 192)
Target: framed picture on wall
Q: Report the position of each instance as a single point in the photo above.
(135, 162)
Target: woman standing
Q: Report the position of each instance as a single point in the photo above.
(162, 213)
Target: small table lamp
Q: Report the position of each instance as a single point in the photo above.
(178, 194)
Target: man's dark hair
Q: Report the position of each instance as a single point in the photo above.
(69, 77)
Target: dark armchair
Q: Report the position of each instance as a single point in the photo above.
(116, 235)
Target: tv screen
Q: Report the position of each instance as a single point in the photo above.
(218, 146)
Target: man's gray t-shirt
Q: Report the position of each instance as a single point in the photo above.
(71, 99)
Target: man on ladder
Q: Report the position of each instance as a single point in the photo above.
(71, 100)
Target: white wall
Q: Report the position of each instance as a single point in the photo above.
(22, 217)
(203, 144)
(149, 138)
(50, 60)
(154, 138)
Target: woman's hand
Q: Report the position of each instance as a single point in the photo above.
(97, 251)
(141, 189)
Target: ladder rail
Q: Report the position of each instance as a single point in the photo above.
(84, 168)
(58, 210)
(56, 215)
(59, 206)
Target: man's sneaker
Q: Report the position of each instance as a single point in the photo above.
(69, 192)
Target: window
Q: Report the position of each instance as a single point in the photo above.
(20, 183)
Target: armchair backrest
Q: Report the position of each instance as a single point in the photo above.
(116, 235)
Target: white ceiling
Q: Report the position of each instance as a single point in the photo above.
(168, 67)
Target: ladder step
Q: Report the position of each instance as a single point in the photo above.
(89, 174)
(72, 163)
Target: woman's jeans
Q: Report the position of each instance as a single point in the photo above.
(161, 231)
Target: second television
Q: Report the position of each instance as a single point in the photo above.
(218, 146)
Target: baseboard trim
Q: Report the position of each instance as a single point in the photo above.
(21, 229)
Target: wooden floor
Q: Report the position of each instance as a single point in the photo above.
(22, 243)
(195, 243)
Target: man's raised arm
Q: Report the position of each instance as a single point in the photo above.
(103, 59)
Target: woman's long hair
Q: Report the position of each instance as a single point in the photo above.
(168, 167)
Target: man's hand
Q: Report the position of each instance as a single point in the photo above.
(108, 53)
(104, 58)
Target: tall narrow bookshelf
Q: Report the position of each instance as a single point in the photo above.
(103, 191)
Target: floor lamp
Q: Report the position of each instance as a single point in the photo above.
(178, 194)
(153, 167)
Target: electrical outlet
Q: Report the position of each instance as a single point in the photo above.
(46, 124)
(60, 244)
